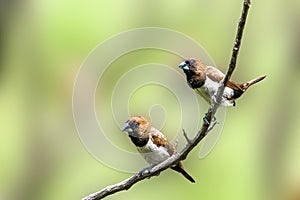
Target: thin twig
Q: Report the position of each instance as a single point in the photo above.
(152, 171)
(186, 137)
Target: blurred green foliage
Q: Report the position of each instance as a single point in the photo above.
(43, 46)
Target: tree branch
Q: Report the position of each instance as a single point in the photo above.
(209, 116)
(186, 137)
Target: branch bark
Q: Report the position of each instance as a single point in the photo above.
(153, 171)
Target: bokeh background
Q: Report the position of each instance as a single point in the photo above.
(42, 45)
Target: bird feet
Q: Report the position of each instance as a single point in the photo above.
(214, 98)
(146, 170)
(206, 121)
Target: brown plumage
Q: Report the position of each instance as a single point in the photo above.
(206, 80)
(151, 143)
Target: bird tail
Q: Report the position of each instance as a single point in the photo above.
(180, 169)
(246, 85)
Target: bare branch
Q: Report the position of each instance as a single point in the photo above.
(152, 171)
(186, 137)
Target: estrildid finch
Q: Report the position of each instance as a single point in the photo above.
(206, 81)
(151, 143)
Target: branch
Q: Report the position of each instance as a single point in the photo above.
(209, 116)
(236, 47)
(186, 137)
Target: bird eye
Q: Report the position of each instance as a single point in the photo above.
(135, 124)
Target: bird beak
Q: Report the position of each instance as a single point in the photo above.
(127, 128)
(183, 66)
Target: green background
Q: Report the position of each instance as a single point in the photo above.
(43, 44)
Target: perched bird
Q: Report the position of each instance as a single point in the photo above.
(151, 143)
(206, 81)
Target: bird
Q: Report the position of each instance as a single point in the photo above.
(205, 80)
(151, 143)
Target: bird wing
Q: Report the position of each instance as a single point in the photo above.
(160, 140)
(216, 75)
(233, 85)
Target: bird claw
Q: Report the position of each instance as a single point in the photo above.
(146, 171)
(214, 119)
(205, 120)
(214, 98)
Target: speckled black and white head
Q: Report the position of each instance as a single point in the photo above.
(189, 66)
(137, 128)
(151, 143)
(207, 79)
(195, 72)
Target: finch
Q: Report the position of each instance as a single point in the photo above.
(151, 143)
(207, 79)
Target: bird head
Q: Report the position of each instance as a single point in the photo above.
(137, 126)
(192, 66)
(188, 65)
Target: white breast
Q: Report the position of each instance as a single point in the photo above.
(210, 89)
(211, 86)
(153, 154)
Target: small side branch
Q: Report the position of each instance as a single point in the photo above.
(186, 137)
(207, 125)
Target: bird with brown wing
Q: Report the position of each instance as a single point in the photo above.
(207, 79)
(151, 143)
